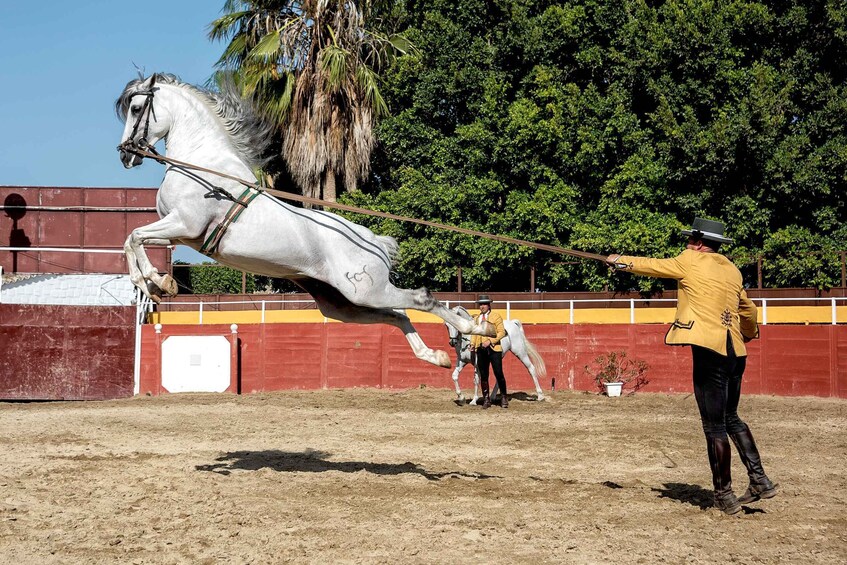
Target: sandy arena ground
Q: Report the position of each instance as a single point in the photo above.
(374, 476)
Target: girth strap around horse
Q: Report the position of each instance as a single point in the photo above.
(319, 202)
(238, 206)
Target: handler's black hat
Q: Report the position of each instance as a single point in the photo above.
(483, 299)
(707, 230)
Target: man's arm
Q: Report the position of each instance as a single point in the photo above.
(673, 268)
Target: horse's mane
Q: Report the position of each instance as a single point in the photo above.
(248, 134)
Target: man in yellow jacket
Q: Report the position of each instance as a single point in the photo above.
(489, 352)
(715, 317)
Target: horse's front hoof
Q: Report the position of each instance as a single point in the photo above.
(487, 329)
(154, 292)
(442, 359)
(169, 286)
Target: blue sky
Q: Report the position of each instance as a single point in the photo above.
(63, 66)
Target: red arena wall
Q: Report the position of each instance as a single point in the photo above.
(786, 360)
(66, 352)
(73, 218)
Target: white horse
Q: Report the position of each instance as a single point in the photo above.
(515, 341)
(343, 265)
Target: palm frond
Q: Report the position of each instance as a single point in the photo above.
(267, 47)
(333, 62)
(367, 81)
(224, 26)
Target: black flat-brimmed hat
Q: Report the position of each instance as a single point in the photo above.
(483, 299)
(707, 230)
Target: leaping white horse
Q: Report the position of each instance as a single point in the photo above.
(515, 341)
(343, 265)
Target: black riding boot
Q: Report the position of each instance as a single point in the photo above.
(760, 485)
(720, 459)
(486, 398)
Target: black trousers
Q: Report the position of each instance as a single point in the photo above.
(486, 356)
(717, 388)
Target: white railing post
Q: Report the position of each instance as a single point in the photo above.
(263, 311)
(508, 309)
(764, 311)
(631, 310)
(201, 313)
(140, 311)
(834, 311)
(571, 312)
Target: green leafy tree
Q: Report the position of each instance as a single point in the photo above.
(607, 127)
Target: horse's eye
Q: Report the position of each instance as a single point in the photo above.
(135, 110)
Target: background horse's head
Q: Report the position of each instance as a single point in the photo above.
(455, 336)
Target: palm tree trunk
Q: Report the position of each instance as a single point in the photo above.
(329, 185)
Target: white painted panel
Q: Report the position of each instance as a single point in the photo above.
(196, 363)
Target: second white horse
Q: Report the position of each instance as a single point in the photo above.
(515, 341)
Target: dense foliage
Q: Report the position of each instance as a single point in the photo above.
(213, 278)
(606, 127)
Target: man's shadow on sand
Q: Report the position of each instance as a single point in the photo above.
(311, 461)
(694, 495)
(513, 396)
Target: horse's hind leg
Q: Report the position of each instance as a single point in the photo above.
(539, 394)
(524, 351)
(333, 304)
(423, 300)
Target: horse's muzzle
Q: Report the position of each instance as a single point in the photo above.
(128, 158)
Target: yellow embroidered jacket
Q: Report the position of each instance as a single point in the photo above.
(710, 301)
(497, 320)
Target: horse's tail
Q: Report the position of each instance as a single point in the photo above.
(534, 356)
(390, 245)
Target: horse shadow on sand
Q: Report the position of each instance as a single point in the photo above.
(695, 495)
(311, 461)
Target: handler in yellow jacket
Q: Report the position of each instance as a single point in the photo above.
(715, 317)
(489, 352)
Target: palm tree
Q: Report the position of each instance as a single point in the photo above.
(311, 66)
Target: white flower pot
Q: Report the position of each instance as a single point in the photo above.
(613, 389)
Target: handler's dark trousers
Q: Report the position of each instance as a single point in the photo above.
(717, 388)
(486, 356)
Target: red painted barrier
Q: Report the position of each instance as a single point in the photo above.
(786, 360)
(112, 214)
(66, 352)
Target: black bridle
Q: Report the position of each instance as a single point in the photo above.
(130, 145)
(462, 339)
